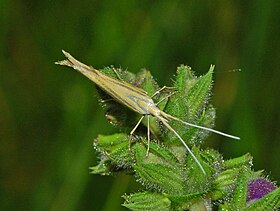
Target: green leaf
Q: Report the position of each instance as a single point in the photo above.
(189, 104)
(196, 181)
(115, 148)
(224, 184)
(270, 201)
(103, 168)
(242, 161)
(158, 170)
(198, 95)
(200, 204)
(184, 198)
(185, 201)
(225, 207)
(184, 79)
(177, 104)
(240, 194)
(147, 201)
(159, 154)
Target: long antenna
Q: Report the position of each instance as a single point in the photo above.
(200, 127)
(164, 121)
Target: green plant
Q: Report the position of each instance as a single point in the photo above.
(172, 179)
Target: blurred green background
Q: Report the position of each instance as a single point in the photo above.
(50, 115)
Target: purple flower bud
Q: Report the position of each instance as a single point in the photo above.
(257, 188)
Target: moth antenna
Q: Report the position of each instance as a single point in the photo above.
(164, 121)
(168, 116)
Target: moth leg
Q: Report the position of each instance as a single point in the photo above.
(148, 135)
(161, 89)
(158, 91)
(166, 97)
(132, 131)
(107, 100)
(116, 72)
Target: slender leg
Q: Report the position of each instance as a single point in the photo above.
(107, 100)
(165, 122)
(133, 130)
(158, 91)
(148, 134)
(161, 89)
(165, 98)
(117, 74)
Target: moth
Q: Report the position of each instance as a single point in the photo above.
(135, 99)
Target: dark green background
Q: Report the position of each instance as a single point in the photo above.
(50, 115)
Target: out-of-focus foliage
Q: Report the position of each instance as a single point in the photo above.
(49, 116)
